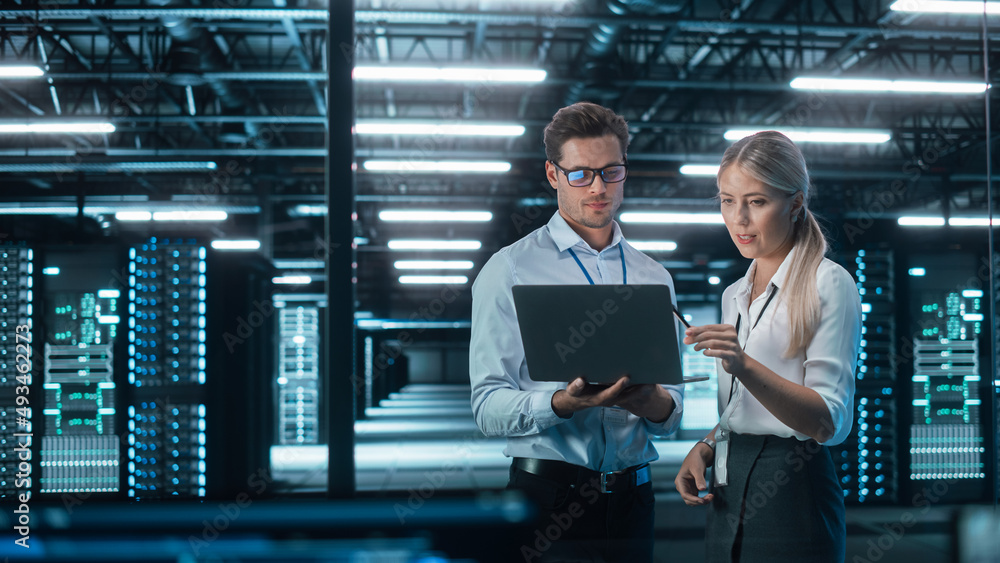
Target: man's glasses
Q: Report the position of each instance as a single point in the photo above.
(583, 177)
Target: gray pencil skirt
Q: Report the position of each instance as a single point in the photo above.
(783, 503)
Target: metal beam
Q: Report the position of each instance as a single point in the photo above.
(378, 17)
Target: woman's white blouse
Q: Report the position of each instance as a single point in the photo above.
(826, 366)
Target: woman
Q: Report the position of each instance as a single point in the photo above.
(785, 356)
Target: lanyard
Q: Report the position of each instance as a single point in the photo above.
(621, 253)
(739, 317)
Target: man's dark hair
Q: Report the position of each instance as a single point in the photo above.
(583, 120)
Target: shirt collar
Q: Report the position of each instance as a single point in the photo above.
(565, 237)
(743, 291)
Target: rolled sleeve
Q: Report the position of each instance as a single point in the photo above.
(833, 352)
(501, 407)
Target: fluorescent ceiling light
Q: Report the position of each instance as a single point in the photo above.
(18, 71)
(891, 86)
(53, 210)
(57, 128)
(51, 271)
(236, 244)
(940, 7)
(917, 272)
(972, 221)
(700, 169)
(921, 221)
(972, 317)
(109, 293)
(434, 215)
(435, 244)
(291, 280)
(433, 264)
(972, 293)
(654, 245)
(438, 129)
(65, 167)
(479, 167)
(671, 218)
(454, 280)
(819, 135)
(190, 216)
(108, 319)
(134, 216)
(297, 264)
(455, 74)
(307, 210)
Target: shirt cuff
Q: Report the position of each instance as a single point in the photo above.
(670, 425)
(541, 410)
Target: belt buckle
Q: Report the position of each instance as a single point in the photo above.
(604, 480)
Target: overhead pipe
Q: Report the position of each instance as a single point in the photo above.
(598, 70)
(194, 56)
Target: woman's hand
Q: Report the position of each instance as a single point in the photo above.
(690, 479)
(718, 341)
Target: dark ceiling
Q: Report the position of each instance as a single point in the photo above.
(242, 83)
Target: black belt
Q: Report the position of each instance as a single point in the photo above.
(606, 482)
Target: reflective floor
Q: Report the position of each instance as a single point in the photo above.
(423, 440)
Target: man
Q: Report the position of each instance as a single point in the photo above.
(567, 440)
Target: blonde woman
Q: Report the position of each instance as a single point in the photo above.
(785, 356)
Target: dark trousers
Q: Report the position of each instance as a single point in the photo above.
(577, 522)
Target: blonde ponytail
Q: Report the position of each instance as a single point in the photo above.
(802, 295)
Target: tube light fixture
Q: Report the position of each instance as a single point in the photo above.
(190, 216)
(654, 245)
(941, 7)
(108, 167)
(435, 215)
(291, 280)
(671, 218)
(433, 264)
(438, 129)
(819, 135)
(51, 271)
(699, 169)
(454, 74)
(921, 221)
(409, 244)
(134, 216)
(452, 280)
(109, 293)
(917, 272)
(236, 244)
(298, 264)
(57, 127)
(475, 167)
(972, 222)
(20, 71)
(888, 86)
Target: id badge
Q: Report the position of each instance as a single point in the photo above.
(721, 459)
(615, 415)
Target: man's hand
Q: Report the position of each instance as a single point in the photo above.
(580, 395)
(647, 400)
